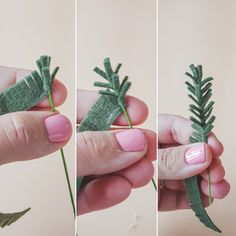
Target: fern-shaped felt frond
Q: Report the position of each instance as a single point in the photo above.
(200, 93)
(113, 87)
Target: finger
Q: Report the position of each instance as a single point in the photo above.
(139, 174)
(136, 108)
(182, 162)
(102, 193)
(177, 130)
(151, 153)
(59, 92)
(177, 185)
(106, 152)
(170, 200)
(218, 190)
(7, 77)
(217, 171)
(29, 135)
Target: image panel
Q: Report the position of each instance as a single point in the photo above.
(31, 135)
(115, 163)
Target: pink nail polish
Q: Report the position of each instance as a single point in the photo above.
(58, 127)
(195, 155)
(132, 140)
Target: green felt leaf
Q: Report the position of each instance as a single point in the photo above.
(111, 102)
(194, 198)
(100, 72)
(195, 108)
(26, 93)
(206, 88)
(202, 119)
(205, 81)
(118, 68)
(108, 69)
(195, 120)
(115, 83)
(194, 100)
(7, 219)
(103, 85)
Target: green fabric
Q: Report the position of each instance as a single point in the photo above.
(102, 114)
(9, 218)
(26, 93)
(111, 102)
(200, 93)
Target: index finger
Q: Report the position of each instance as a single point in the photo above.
(176, 130)
(136, 108)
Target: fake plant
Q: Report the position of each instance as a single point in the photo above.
(109, 105)
(24, 95)
(200, 93)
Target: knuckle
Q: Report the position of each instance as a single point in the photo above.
(169, 161)
(20, 132)
(94, 144)
(94, 149)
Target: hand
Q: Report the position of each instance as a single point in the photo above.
(31, 134)
(178, 160)
(113, 161)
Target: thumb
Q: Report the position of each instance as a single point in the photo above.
(109, 151)
(183, 161)
(29, 135)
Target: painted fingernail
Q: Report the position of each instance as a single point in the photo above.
(195, 155)
(132, 140)
(58, 127)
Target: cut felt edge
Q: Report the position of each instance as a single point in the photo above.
(7, 219)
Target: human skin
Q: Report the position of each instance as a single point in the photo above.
(31, 134)
(174, 167)
(115, 161)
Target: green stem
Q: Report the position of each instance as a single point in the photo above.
(68, 181)
(209, 180)
(127, 117)
(63, 159)
(154, 184)
(130, 126)
(209, 185)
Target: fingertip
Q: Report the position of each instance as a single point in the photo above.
(216, 145)
(103, 193)
(152, 145)
(58, 127)
(218, 190)
(59, 94)
(139, 174)
(208, 153)
(217, 172)
(137, 110)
